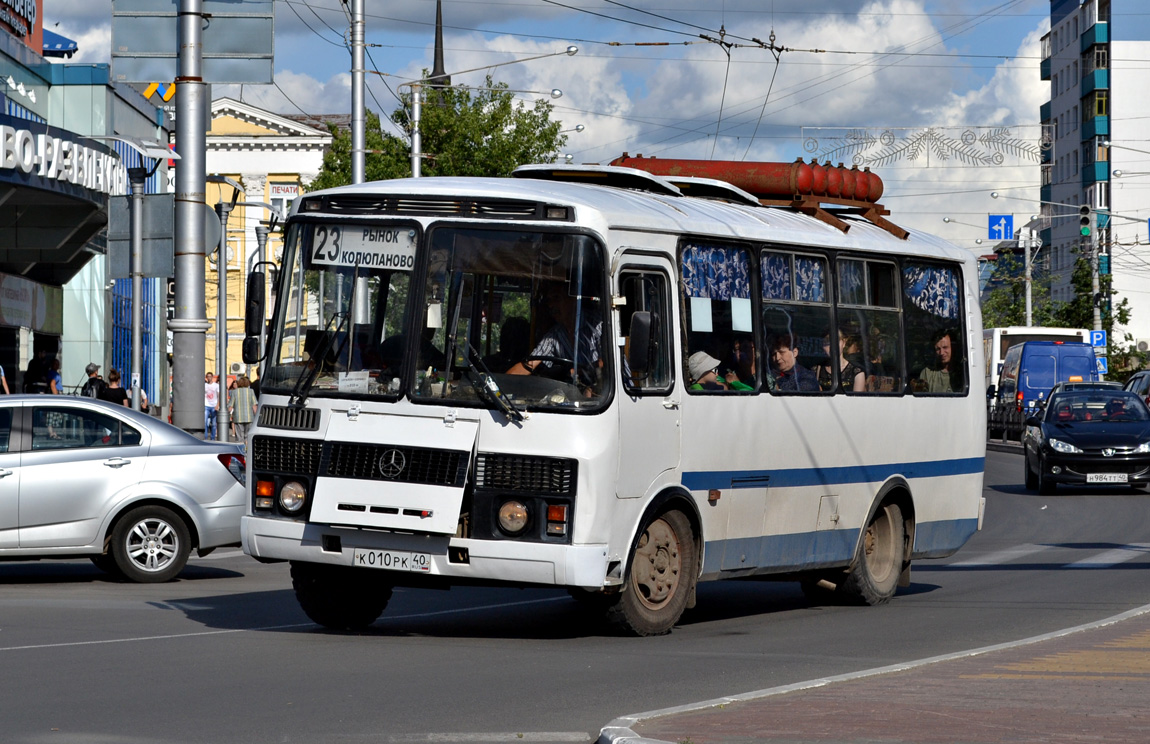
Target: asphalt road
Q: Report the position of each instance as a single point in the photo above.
(225, 655)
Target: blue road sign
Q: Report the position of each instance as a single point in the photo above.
(1103, 365)
(1000, 227)
(1098, 338)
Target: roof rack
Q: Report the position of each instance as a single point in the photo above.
(799, 186)
(603, 175)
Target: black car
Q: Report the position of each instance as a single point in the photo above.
(1088, 437)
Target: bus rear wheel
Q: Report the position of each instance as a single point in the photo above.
(660, 579)
(874, 576)
(340, 597)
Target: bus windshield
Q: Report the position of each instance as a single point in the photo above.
(496, 317)
(518, 309)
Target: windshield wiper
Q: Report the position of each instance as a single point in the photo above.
(303, 385)
(487, 388)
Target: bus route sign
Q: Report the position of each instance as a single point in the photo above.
(369, 247)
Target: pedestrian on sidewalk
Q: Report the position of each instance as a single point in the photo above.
(94, 385)
(242, 408)
(211, 406)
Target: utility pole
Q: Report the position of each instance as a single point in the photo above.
(358, 116)
(1024, 240)
(190, 325)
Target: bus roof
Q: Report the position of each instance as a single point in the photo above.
(620, 208)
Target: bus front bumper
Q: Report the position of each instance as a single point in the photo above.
(430, 555)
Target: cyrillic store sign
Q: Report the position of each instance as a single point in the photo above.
(39, 156)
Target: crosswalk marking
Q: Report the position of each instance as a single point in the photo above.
(1113, 557)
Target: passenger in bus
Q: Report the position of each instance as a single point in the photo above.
(945, 376)
(703, 371)
(560, 340)
(790, 376)
(851, 376)
(740, 366)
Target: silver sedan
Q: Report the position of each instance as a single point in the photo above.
(82, 477)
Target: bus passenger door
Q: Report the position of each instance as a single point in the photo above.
(648, 407)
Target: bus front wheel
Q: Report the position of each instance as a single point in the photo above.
(339, 597)
(660, 579)
(874, 576)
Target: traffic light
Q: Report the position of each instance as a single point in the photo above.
(1087, 221)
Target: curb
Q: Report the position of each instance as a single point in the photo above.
(1010, 447)
(619, 730)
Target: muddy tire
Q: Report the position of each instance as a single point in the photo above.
(660, 577)
(874, 575)
(339, 597)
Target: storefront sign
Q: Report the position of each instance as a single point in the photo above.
(46, 157)
(287, 191)
(22, 19)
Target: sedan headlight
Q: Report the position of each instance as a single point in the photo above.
(292, 497)
(1065, 448)
(1142, 448)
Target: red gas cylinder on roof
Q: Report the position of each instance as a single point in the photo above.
(769, 180)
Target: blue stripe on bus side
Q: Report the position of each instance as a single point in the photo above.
(704, 480)
(807, 550)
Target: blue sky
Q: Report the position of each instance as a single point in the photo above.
(646, 81)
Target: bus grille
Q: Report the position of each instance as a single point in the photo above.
(424, 206)
(406, 464)
(282, 417)
(280, 455)
(553, 475)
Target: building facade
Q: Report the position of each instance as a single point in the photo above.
(274, 158)
(1098, 118)
(55, 187)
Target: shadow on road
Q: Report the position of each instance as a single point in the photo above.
(79, 571)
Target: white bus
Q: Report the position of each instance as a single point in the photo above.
(995, 342)
(518, 381)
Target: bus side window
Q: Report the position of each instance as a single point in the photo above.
(935, 340)
(643, 324)
(868, 314)
(716, 282)
(799, 344)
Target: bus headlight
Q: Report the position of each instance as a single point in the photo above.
(513, 517)
(292, 497)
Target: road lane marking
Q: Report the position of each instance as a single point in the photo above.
(150, 638)
(619, 730)
(175, 605)
(1000, 557)
(518, 736)
(1113, 557)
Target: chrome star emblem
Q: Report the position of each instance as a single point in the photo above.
(392, 463)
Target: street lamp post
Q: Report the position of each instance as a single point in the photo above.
(224, 210)
(138, 177)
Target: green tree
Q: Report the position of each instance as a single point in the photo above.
(1123, 355)
(464, 132)
(1005, 304)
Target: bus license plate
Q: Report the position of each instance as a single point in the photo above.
(1106, 478)
(392, 560)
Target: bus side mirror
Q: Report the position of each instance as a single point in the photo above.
(639, 352)
(251, 350)
(254, 312)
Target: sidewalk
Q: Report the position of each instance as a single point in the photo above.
(1085, 684)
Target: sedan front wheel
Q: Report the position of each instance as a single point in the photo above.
(151, 544)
